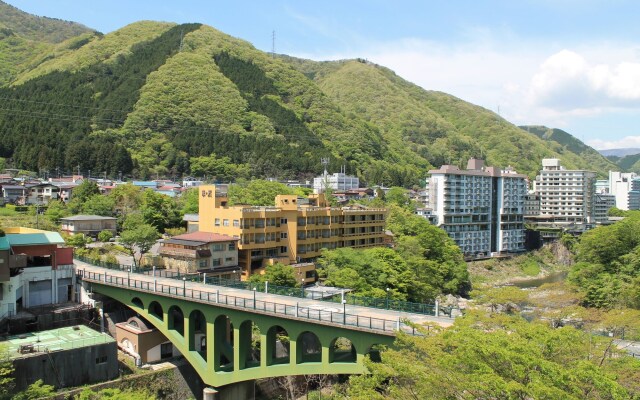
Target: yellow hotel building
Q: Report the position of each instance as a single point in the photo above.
(292, 231)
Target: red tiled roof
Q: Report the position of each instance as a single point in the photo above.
(204, 237)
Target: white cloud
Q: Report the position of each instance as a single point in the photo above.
(624, 143)
(566, 81)
(527, 82)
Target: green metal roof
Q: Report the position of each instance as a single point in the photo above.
(31, 239)
(4, 243)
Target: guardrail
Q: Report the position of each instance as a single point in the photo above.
(332, 296)
(335, 317)
(352, 299)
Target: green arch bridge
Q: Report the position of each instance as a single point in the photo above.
(233, 335)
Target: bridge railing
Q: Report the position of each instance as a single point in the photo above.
(333, 296)
(325, 314)
(364, 301)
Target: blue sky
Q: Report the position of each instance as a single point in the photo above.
(570, 64)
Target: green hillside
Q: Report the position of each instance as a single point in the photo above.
(630, 163)
(159, 99)
(26, 40)
(569, 147)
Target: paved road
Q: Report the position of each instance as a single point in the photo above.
(632, 348)
(314, 306)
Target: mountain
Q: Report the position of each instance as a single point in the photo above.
(25, 39)
(569, 147)
(619, 152)
(160, 99)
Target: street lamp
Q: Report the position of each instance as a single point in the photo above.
(387, 298)
(254, 297)
(128, 277)
(302, 286)
(344, 312)
(184, 286)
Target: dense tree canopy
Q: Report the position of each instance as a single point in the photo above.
(608, 267)
(498, 357)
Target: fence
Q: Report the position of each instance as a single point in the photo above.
(333, 297)
(329, 296)
(250, 303)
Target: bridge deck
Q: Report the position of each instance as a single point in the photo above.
(314, 311)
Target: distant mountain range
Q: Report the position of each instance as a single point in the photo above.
(157, 98)
(619, 152)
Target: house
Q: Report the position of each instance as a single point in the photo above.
(35, 269)
(13, 193)
(206, 252)
(190, 182)
(89, 225)
(42, 193)
(140, 339)
(145, 184)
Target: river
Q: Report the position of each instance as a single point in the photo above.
(536, 282)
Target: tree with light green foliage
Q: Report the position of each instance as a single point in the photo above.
(496, 357)
(139, 240)
(105, 235)
(277, 274)
(36, 390)
(256, 192)
(115, 394)
(98, 204)
(6, 374)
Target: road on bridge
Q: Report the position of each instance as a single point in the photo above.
(315, 305)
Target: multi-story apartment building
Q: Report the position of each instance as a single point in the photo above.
(567, 196)
(620, 186)
(634, 195)
(531, 204)
(480, 208)
(603, 203)
(292, 231)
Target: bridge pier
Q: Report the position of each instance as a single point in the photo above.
(209, 393)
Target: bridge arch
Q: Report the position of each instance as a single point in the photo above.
(374, 352)
(175, 321)
(137, 302)
(198, 333)
(155, 310)
(223, 343)
(308, 348)
(342, 350)
(278, 345)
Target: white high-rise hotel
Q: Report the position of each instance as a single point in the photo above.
(482, 209)
(568, 196)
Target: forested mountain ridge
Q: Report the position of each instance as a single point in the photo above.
(564, 143)
(25, 39)
(162, 99)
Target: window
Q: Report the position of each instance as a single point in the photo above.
(216, 262)
(217, 247)
(229, 259)
(232, 246)
(217, 222)
(283, 249)
(101, 360)
(203, 264)
(236, 223)
(225, 222)
(283, 235)
(283, 220)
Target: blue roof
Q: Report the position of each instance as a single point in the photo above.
(145, 183)
(4, 243)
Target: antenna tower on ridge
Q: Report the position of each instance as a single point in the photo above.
(273, 44)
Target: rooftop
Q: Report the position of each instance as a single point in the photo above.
(72, 337)
(20, 236)
(86, 218)
(205, 237)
